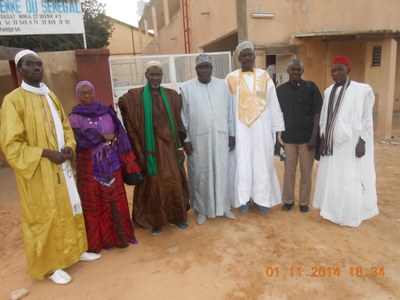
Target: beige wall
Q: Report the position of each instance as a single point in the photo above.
(6, 86)
(317, 56)
(355, 51)
(387, 91)
(121, 41)
(313, 30)
(396, 103)
(373, 74)
(313, 51)
(209, 21)
(169, 40)
(6, 83)
(315, 59)
(207, 28)
(307, 16)
(127, 39)
(59, 75)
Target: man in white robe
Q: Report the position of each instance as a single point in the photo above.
(345, 186)
(207, 117)
(258, 117)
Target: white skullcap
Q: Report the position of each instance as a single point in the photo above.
(23, 53)
(153, 63)
(244, 45)
(203, 58)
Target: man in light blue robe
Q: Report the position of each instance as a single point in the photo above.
(207, 116)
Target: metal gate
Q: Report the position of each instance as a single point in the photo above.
(127, 72)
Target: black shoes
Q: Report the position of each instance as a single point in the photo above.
(287, 206)
(156, 230)
(181, 225)
(304, 208)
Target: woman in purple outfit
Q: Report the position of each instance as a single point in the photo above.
(101, 141)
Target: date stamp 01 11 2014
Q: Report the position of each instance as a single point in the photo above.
(325, 272)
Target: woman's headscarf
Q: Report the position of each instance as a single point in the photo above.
(94, 109)
(82, 84)
(106, 157)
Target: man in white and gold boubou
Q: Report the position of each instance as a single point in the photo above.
(258, 117)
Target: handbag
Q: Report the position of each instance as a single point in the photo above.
(131, 171)
(132, 178)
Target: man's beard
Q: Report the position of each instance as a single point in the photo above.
(154, 85)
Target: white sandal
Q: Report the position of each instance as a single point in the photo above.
(89, 256)
(60, 277)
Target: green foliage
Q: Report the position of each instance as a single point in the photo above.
(98, 29)
(98, 26)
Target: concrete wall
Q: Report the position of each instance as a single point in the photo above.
(209, 21)
(315, 59)
(396, 104)
(318, 54)
(63, 70)
(307, 16)
(127, 39)
(170, 40)
(373, 74)
(355, 51)
(6, 82)
(59, 75)
(6, 86)
(93, 65)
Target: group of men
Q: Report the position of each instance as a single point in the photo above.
(233, 130)
(229, 130)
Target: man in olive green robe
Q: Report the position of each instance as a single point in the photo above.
(38, 141)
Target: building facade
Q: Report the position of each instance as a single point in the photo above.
(127, 39)
(367, 31)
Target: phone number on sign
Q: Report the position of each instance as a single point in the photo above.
(326, 272)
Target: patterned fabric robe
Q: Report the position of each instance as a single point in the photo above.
(163, 198)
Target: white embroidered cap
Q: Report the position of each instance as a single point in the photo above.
(244, 45)
(153, 63)
(23, 53)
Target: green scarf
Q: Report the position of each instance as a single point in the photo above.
(149, 130)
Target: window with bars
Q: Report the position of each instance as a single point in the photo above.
(376, 56)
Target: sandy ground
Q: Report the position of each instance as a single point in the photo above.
(282, 255)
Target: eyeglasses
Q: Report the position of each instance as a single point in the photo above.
(83, 93)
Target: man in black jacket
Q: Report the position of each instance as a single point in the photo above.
(301, 104)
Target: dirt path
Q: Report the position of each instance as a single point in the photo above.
(225, 259)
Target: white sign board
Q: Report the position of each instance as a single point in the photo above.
(18, 17)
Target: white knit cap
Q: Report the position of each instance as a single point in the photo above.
(23, 53)
(153, 63)
(244, 45)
